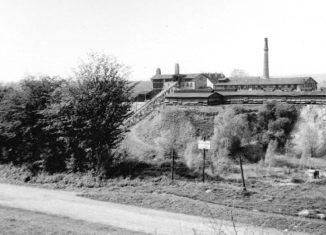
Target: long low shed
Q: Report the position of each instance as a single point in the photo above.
(314, 97)
(194, 98)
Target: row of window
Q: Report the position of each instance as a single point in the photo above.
(188, 84)
(254, 86)
(158, 85)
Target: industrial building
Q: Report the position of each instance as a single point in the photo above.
(195, 97)
(270, 84)
(219, 82)
(216, 89)
(185, 81)
(200, 88)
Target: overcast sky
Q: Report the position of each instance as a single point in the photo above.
(50, 36)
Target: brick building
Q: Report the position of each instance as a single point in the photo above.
(270, 84)
(194, 81)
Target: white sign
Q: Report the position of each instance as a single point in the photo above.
(204, 144)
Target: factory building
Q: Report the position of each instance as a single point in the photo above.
(193, 81)
(266, 83)
(194, 97)
(220, 83)
(270, 84)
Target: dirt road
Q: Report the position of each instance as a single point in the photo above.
(67, 204)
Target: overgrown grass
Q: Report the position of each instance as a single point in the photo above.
(17, 221)
(284, 161)
(17, 174)
(294, 162)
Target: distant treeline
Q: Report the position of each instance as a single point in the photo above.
(56, 125)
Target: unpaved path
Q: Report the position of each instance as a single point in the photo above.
(67, 204)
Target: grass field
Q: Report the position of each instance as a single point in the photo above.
(16, 221)
(274, 198)
(276, 194)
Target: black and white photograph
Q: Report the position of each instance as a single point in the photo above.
(163, 117)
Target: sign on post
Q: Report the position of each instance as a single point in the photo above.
(202, 144)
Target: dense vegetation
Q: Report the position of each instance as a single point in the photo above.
(249, 132)
(273, 122)
(54, 125)
(49, 124)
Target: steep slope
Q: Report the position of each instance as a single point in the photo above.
(153, 138)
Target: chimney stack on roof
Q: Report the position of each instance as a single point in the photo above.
(266, 65)
(158, 71)
(176, 69)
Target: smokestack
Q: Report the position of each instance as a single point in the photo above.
(266, 65)
(158, 71)
(176, 69)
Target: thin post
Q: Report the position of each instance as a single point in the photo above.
(204, 166)
(172, 166)
(243, 180)
(204, 162)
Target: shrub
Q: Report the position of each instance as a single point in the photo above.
(284, 161)
(252, 152)
(297, 180)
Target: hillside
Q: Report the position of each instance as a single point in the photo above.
(281, 192)
(179, 129)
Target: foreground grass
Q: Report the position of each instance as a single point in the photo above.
(218, 200)
(17, 221)
(274, 200)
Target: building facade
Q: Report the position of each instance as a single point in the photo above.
(194, 97)
(194, 81)
(270, 84)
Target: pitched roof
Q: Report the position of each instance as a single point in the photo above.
(262, 81)
(272, 93)
(171, 76)
(214, 77)
(183, 95)
(141, 87)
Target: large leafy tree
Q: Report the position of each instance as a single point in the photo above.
(21, 119)
(92, 119)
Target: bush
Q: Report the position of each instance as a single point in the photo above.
(284, 161)
(297, 180)
(253, 153)
(275, 122)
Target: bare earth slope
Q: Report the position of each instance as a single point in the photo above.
(130, 217)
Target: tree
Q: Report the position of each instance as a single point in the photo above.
(238, 73)
(231, 130)
(275, 122)
(92, 119)
(22, 120)
(310, 141)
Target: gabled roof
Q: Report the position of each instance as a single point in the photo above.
(171, 76)
(272, 93)
(141, 87)
(206, 89)
(183, 95)
(214, 77)
(264, 81)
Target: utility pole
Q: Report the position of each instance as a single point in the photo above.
(204, 162)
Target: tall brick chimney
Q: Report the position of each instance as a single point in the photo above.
(158, 71)
(176, 69)
(266, 65)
